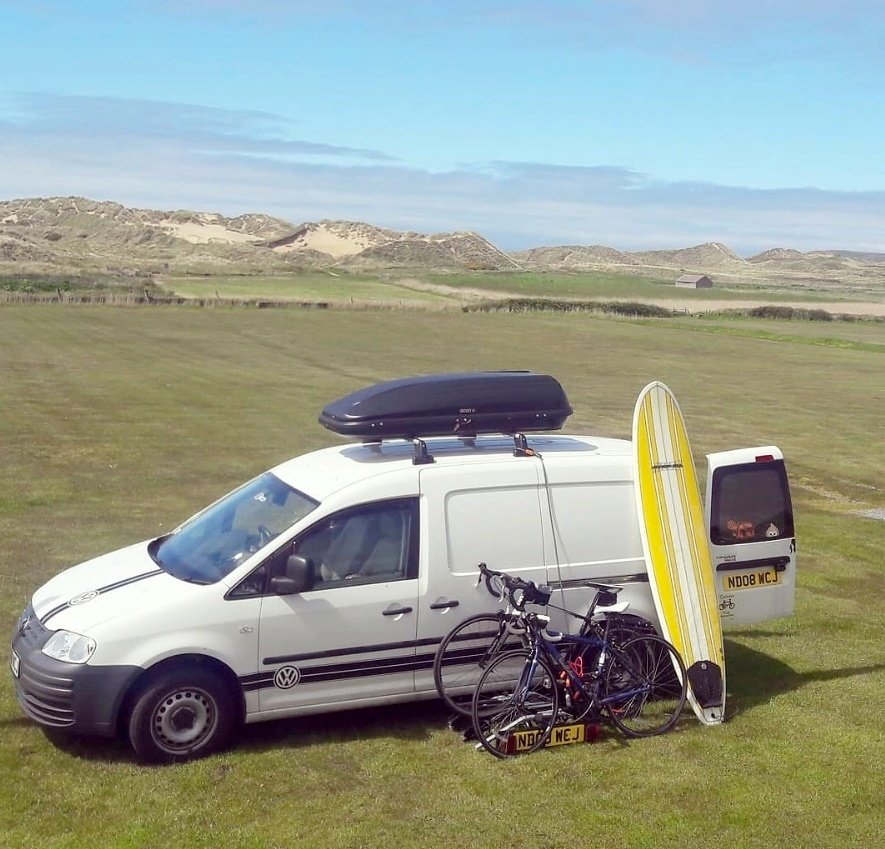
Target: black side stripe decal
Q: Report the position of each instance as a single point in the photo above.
(296, 658)
(102, 590)
(581, 583)
(343, 671)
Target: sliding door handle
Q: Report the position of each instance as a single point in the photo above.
(445, 604)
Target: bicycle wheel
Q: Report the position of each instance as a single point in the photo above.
(644, 686)
(463, 655)
(621, 627)
(515, 704)
(617, 628)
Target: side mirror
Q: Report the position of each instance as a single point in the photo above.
(299, 577)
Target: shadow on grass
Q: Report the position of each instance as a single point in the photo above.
(78, 746)
(754, 678)
(16, 722)
(410, 721)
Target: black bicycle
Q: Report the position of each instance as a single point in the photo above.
(466, 651)
(557, 679)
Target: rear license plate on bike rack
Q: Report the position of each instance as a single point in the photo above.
(560, 735)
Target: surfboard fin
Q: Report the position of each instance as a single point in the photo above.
(705, 678)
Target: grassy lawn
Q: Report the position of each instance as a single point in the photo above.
(558, 285)
(115, 424)
(316, 286)
(607, 285)
(865, 335)
(433, 290)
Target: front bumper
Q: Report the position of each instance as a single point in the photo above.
(77, 697)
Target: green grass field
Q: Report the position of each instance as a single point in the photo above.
(115, 424)
(404, 288)
(558, 285)
(592, 285)
(337, 287)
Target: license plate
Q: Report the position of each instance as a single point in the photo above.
(560, 735)
(14, 663)
(750, 580)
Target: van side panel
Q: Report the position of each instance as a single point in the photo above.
(490, 513)
(596, 532)
(499, 525)
(593, 534)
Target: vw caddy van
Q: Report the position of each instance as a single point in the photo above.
(328, 582)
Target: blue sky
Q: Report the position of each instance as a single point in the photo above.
(630, 123)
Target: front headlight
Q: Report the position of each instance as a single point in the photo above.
(69, 647)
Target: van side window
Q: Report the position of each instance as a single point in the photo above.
(750, 503)
(372, 543)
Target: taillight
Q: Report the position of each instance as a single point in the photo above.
(765, 458)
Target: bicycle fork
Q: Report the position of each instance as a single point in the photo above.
(518, 703)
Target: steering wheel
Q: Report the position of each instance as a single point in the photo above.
(265, 535)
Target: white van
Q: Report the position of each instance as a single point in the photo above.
(328, 582)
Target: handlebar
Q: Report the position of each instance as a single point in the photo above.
(520, 592)
(517, 591)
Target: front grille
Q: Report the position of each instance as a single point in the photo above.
(46, 713)
(44, 695)
(48, 698)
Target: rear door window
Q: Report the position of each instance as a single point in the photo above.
(751, 503)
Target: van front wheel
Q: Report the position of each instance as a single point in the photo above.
(181, 714)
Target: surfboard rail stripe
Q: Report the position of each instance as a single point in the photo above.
(698, 555)
(698, 559)
(673, 531)
(676, 509)
(660, 542)
(703, 565)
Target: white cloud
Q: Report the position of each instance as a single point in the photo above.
(111, 121)
(177, 156)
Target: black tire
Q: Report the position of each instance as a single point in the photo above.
(644, 686)
(181, 714)
(505, 704)
(617, 628)
(626, 626)
(463, 655)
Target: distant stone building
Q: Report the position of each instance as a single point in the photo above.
(694, 281)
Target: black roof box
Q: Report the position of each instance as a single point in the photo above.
(460, 404)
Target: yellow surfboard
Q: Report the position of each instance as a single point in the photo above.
(677, 553)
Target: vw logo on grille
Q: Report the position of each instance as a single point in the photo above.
(286, 677)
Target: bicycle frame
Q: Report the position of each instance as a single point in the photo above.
(551, 651)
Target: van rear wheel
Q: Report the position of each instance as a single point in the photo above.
(181, 714)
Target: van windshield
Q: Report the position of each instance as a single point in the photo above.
(214, 542)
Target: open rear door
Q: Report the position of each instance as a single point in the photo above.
(749, 517)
